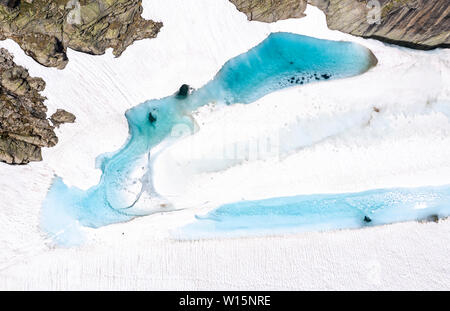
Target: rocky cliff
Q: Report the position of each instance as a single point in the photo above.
(24, 127)
(421, 24)
(271, 10)
(46, 28)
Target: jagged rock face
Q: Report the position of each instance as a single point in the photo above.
(24, 127)
(270, 10)
(422, 24)
(46, 28)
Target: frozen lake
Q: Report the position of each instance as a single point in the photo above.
(282, 60)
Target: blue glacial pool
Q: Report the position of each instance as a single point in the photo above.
(282, 60)
(321, 212)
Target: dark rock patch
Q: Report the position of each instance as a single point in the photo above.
(431, 218)
(151, 118)
(367, 219)
(183, 91)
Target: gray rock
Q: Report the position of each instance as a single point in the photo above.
(61, 116)
(24, 128)
(44, 29)
(269, 11)
(419, 24)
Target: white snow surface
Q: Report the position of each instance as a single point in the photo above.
(340, 143)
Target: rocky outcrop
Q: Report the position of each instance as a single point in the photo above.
(420, 24)
(24, 128)
(61, 117)
(46, 28)
(270, 10)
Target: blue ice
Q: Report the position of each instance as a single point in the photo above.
(321, 212)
